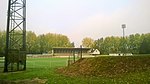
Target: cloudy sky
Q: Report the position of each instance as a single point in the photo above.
(84, 18)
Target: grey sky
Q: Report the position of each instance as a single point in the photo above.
(84, 18)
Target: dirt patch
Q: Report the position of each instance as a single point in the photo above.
(26, 81)
(107, 66)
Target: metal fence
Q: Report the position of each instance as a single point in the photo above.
(2, 64)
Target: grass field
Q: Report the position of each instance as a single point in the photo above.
(45, 69)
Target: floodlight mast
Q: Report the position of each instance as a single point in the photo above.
(15, 51)
(123, 27)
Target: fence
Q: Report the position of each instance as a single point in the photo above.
(1, 64)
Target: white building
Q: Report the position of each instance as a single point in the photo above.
(94, 52)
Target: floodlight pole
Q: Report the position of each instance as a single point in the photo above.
(16, 35)
(24, 32)
(7, 38)
(123, 27)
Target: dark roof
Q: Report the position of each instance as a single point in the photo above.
(69, 48)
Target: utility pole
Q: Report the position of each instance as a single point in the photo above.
(15, 53)
(81, 51)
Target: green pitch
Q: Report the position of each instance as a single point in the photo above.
(45, 69)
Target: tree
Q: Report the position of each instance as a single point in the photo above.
(99, 44)
(111, 44)
(72, 45)
(114, 44)
(134, 42)
(87, 42)
(31, 39)
(145, 45)
(2, 42)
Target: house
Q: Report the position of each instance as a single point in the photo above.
(94, 52)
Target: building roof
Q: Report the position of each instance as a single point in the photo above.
(69, 48)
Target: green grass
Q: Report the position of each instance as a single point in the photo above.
(44, 68)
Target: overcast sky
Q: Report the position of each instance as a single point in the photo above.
(84, 18)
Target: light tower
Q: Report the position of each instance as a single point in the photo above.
(15, 53)
(123, 27)
(124, 46)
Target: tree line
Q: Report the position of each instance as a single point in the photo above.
(36, 44)
(135, 43)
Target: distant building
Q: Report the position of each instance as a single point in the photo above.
(94, 52)
(120, 54)
(70, 51)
